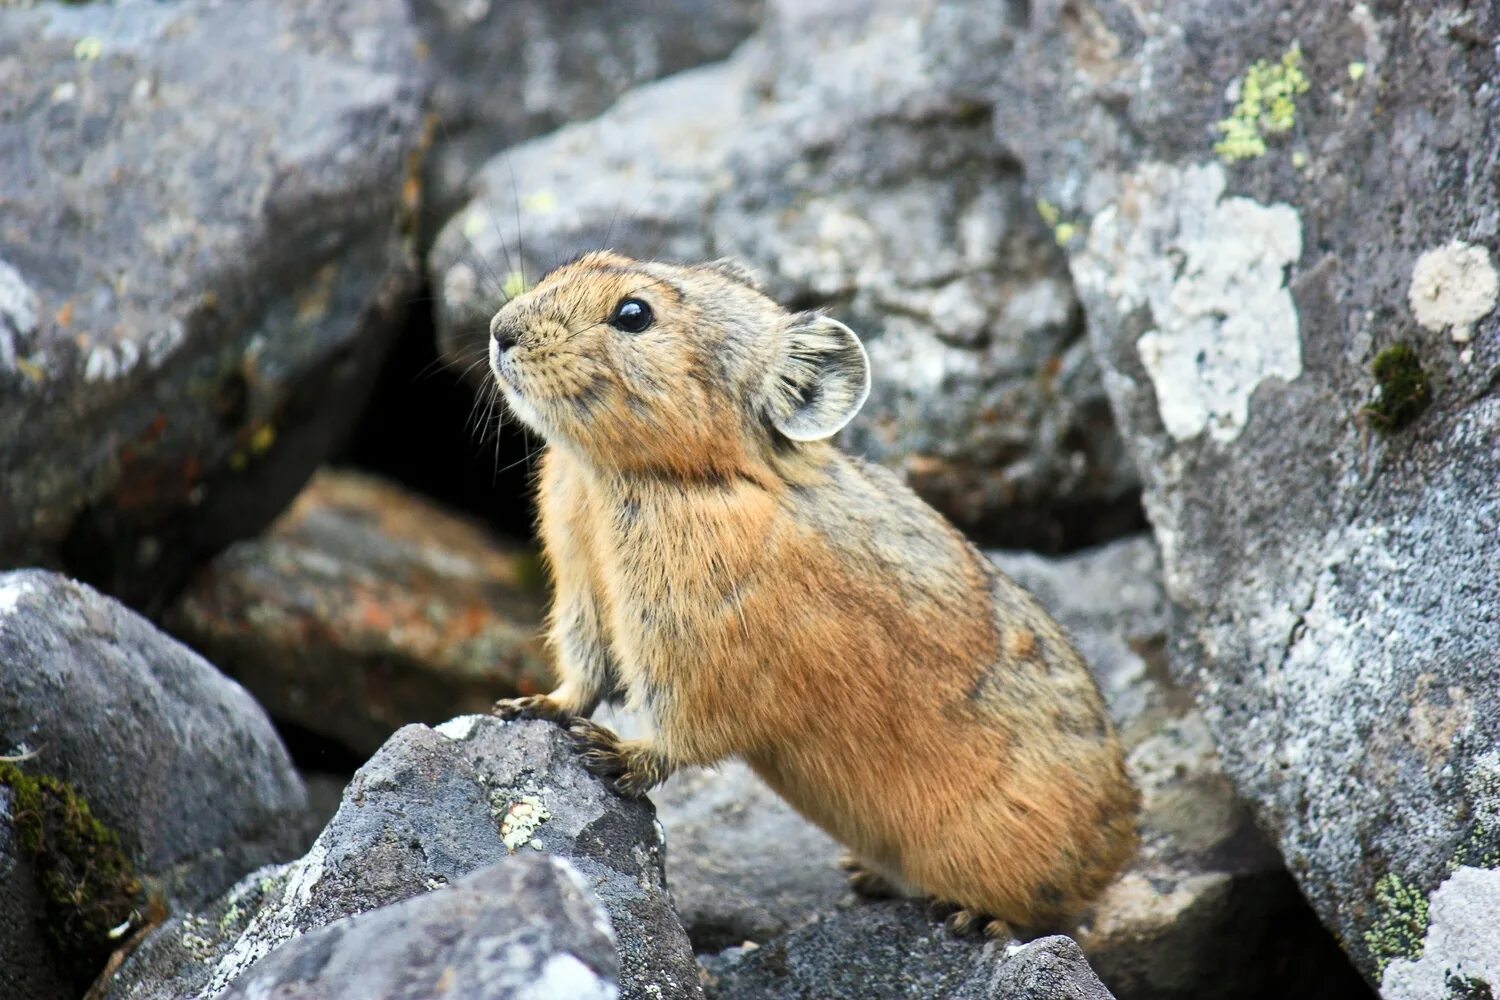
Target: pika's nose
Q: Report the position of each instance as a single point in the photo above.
(503, 334)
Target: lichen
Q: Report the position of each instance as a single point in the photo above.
(1400, 922)
(520, 821)
(1403, 388)
(1267, 106)
(1458, 987)
(88, 885)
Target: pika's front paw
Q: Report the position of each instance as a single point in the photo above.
(864, 882)
(962, 922)
(625, 768)
(536, 706)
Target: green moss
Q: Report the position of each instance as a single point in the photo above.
(1404, 388)
(87, 883)
(1400, 922)
(1267, 106)
(1465, 988)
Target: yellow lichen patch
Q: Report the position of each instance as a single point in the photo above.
(88, 49)
(520, 821)
(1266, 106)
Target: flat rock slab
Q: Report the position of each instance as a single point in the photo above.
(524, 929)
(433, 806)
(174, 758)
(201, 252)
(1265, 200)
(366, 607)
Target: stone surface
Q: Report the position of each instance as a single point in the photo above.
(223, 253)
(841, 157)
(366, 607)
(526, 929)
(1252, 189)
(177, 760)
(893, 949)
(431, 807)
(507, 71)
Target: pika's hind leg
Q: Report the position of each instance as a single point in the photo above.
(962, 921)
(866, 881)
(631, 767)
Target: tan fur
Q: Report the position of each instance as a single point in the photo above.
(799, 608)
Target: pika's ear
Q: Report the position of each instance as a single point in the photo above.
(735, 270)
(821, 380)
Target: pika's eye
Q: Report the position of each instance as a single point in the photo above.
(631, 315)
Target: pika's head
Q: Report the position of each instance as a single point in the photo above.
(688, 370)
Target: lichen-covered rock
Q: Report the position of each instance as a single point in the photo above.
(882, 952)
(524, 929)
(366, 607)
(201, 247)
(431, 807)
(854, 169)
(1266, 200)
(507, 71)
(137, 741)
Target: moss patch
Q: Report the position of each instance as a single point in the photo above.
(1400, 922)
(87, 883)
(1466, 988)
(1404, 388)
(1267, 106)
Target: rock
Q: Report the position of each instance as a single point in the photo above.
(366, 607)
(431, 807)
(177, 764)
(524, 929)
(863, 178)
(894, 950)
(1284, 245)
(223, 254)
(504, 72)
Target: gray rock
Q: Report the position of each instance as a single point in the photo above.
(893, 949)
(1329, 544)
(507, 71)
(524, 929)
(220, 191)
(431, 807)
(858, 176)
(174, 758)
(365, 607)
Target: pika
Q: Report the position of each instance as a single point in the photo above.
(754, 591)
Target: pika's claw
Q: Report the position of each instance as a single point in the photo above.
(865, 882)
(536, 706)
(630, 767)
(961, 922)
(997, 930)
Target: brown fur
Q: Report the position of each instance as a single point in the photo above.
(797, 607)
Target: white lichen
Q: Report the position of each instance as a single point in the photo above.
(458, 729)
(566, 976)
(520, 820)
(1212, 272)
(12, 589)
(18, 315)
(1460, 940)
(1452, 287)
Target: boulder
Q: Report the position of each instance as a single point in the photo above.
(202, 246)
(1283, 237)
(523, 929)
(857, 176)
(895, 950)
(366, 607)
(505, 72)
(128, 760)
(433, 806)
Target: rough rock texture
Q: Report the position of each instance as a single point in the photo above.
(1253, 187)
(432, 806)
(858, 176)
(504, 71)
(881, 952)
(366, 607)
(200, 251)
(173, 757)
(526, 929)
